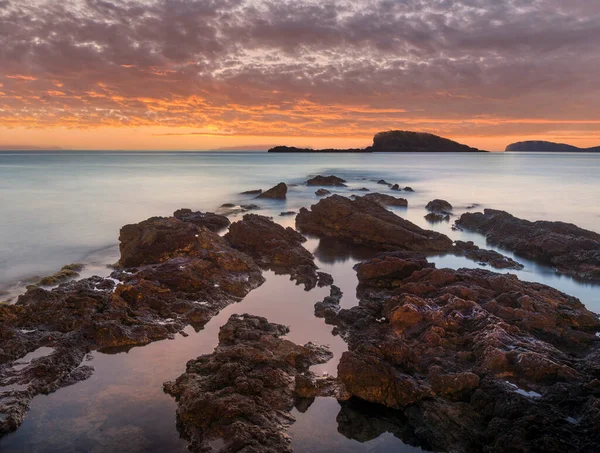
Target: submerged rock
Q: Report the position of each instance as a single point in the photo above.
(482, 256)
(242, 394)
(209, 220)
(366, 222)
(386, 200)
(68, 272)
(473, 360)
(322, 192)
(396, 187)
(287, 213)
(278, 192)
(568, 248)
(434, 217)
(439, 207)
(333, 181)
(252, 192)
(274, 247)
(408, 189)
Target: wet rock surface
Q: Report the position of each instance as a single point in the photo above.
(439, 207)
(68, 272)
(486, 257)
(566, 247)
(183, 274)
(241, 395)
(279, 192)
(275, 247)
(434, 217)
(326, 181)
(366, 222)
(474, 361)
(322, 192)
(209, 220)
(329, 307)
(386, 200)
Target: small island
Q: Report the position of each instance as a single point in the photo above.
(549, 147)
(393, 142)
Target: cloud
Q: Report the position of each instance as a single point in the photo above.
(280, 68)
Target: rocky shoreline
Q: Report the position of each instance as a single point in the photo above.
(468, 359)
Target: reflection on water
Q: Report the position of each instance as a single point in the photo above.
(69, 207)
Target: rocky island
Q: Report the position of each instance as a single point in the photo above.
(394, 142)
(549, 147)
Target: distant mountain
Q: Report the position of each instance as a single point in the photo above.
(394, 142)
(549, 147)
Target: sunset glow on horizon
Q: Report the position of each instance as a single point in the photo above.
(185, 75)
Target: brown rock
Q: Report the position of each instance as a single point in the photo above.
(242, 394)
(278, 192)
(386, 200)
(568, 248)
(365, 222)
(209, 220)
(326, 181)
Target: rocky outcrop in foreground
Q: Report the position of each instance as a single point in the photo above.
(241, 395)
(177, 273)
(277, 248)
(208, 220)
(566, 247)
(363, 221)
(473, 360)
(386, 200)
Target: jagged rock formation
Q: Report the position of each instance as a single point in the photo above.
(568, 248)
(241, 395)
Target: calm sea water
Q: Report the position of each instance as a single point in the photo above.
(63, 207)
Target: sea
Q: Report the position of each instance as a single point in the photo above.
(62, 207)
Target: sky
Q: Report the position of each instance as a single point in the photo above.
(191, 74)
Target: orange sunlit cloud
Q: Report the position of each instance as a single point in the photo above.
(197, 75)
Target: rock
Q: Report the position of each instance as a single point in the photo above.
(482, 256)
(68, 272)
(249, 207)
(330, 306)
(365, 222)
(252, 192)
(396, 187)
(228, 205)
(566, 247)
(242, 394)
(326, 181)
(408, 189)
(274, 247)
(322, 192)
(472, 360)
(439, 207)
(408, 141)
(287, 213)
(160, 238)
(386, 200)
(209, 220)
(383, 182)
(184, 274)
(362, 189)
(433, 217)
(278, 192)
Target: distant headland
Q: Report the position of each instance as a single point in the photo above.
(549, 147)
(393, 142)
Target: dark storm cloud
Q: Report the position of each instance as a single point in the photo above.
(288, 65)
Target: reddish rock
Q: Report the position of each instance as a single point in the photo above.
(274, 247)
(209, 220)
(473, 359)
(368, 223)
(242, 394)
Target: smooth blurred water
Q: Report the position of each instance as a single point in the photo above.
(58, 207)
